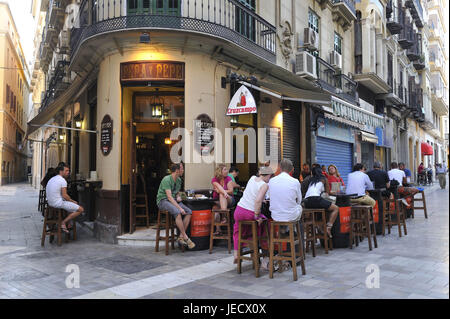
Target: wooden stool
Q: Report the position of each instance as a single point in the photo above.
(253, 243)
(320, 219)
(223, 214)
(143, 197)
(423, 207)
(398, 212)
(362, 225)
(53, 218)
(292, 256)
(309, 226)
(168, 224)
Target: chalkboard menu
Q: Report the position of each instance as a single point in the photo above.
(203, 134)
(106, 135)
(273, 149)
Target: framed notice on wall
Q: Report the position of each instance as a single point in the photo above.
(203, 134)
(106, 135)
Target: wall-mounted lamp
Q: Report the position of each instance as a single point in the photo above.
(78, 123)
(61, 137)
(234, 119)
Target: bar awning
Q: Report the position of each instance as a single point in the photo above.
(426, 148)
(368, 137)
(290, 93)
(356, 114)
(77, 86)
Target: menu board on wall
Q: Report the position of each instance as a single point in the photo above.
(273, 134)
(106, 135)
(203, 134)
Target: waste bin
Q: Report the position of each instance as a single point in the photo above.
(200, 226)
(341, 228)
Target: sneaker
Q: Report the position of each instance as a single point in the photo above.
(182, 241)
(189, 243)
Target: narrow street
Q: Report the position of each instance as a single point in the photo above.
(414, 266)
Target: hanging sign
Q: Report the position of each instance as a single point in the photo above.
(242, 102)
(106, 135)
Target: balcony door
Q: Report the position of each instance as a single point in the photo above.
(163, 7)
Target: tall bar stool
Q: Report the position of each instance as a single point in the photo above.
(398, 212)
(53, 218)
(293, 256)
(42, 200)
(223, 214)
(362, 225)
(320, 219)
(165, 222)
(143, 204)
(309, 226)
(423, 207)
(254, 243)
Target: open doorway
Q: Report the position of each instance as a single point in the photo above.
(155, 112)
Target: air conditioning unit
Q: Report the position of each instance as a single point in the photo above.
(336, 59)
(311, 39)
(63, 41)
(305, 65)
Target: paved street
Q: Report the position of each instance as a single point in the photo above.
(414, 266)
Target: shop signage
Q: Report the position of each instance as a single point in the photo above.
(106, 135)
(151, 71)
(242, 102)
(204, 134)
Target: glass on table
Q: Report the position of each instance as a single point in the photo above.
(210, 193)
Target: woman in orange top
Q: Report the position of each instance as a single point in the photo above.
(334, 176)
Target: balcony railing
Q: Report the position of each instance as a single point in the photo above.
(57, 84)
(415, 51)
(349, 3)
(339, 84)
(406, 39)
(416, 11)
(230, 20)
(394, 18)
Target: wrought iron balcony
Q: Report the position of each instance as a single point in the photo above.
(415, 51)
(326, 75)
(416, 11)
(344, 12)
(59, 81)
(348, 87)
(229, 20)
(419, 64)
(394, 17)
(406, 37)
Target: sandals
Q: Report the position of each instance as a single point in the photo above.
(329, 230)
(64, 228)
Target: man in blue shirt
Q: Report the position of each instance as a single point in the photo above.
(407, 171)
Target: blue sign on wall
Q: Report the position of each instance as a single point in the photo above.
(335, 130)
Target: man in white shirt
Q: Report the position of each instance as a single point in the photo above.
(400, 176)
(358, 182)
(57, 197)
(285, 195)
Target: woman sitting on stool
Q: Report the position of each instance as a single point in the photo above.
(317, 185)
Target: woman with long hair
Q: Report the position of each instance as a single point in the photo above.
(223, 190)
(334, 176)
(51, 172)
(313, 199)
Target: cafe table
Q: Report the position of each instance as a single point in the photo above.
(341, 227)
(200, 226)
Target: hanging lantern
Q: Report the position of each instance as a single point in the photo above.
(167, 141)
(157, 105)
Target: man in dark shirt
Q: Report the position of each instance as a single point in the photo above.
(380, 177)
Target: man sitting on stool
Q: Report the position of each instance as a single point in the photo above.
(169, 187)
(57, 197)
(400, 177)
(358, 183)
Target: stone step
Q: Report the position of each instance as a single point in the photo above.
(145, 237)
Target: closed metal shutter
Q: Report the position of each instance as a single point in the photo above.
(291, 139)
(335, 152)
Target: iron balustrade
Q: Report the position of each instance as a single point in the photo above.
(350, 4)
(394, 18)
(326, 75)
(227, 19)
(56, 84)
(347, 86)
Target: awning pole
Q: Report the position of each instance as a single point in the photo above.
(65, 128)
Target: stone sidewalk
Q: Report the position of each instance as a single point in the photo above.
(414, 266)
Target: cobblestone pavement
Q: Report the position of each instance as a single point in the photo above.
(414, 266)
